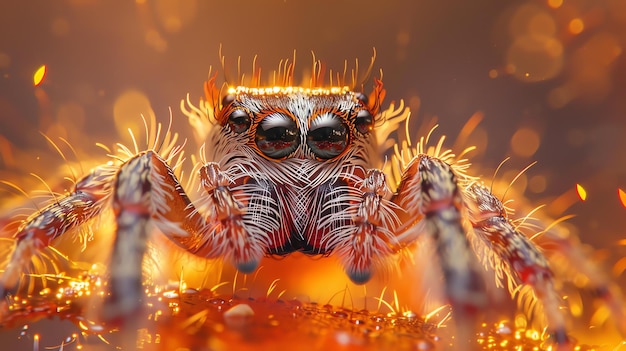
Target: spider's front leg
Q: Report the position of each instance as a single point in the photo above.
(147, 190)
(432, 200)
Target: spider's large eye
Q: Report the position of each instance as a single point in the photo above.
(328, 136)
(239, 121)
(277, 136)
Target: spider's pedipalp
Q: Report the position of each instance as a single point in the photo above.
(231, 238)
(371, 235)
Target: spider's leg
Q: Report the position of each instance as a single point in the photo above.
(522, 261)
(597, 281)
(36, 232)
(146, 189)
(430, 195)
(143, 188)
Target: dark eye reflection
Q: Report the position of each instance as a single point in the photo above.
(277, 136)
(328, 136)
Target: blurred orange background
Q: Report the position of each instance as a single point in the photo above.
(549, 76)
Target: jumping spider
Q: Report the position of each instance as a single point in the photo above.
(294, 169)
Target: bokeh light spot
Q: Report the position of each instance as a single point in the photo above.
(537, 184)
(403, 38)
(493, 73)
(591, 67)
(519, 23)
(155, 40)
(541, 23)
(174, 14)
(510, 68)
(555, 4)
(539, 56)
(128, 109)
(5, 60)
(576, 26)
(525, 142)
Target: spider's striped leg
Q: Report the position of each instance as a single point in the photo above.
(143, 188)
(598, 282)
(429, 192)
(146, 189)
(36, 232)
(512, 251)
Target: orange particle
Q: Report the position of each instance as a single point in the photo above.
(622, 196)
(582, 193)
(39, 75)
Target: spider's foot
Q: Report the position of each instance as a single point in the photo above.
(124, 301)
(248, 266)
(5, 291)
(359, 277)
(561, 340)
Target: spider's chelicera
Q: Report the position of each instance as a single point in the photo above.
(286, 169)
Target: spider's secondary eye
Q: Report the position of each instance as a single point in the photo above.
(239, 121)
(362, 97)
(228, 99)
(277, 136)
(364, 122)
(328, 136)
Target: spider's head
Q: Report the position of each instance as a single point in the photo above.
(280, 123)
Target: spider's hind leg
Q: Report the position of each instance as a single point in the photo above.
(511, 252)
(430, 192)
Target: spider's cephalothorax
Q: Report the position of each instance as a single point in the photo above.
(285, 169)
